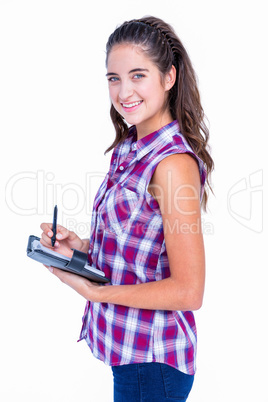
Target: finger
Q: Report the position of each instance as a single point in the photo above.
(47, 232)
(46, 227)
(62, 232)
(45, 239)
(49, 268)
(64, 276)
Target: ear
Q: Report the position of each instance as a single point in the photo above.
(170, 78)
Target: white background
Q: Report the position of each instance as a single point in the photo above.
(55, 128)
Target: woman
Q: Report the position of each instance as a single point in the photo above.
(146, 225)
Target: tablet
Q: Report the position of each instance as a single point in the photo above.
(77, 264)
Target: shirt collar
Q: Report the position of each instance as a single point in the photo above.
(153, 141)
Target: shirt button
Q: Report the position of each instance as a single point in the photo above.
(121, 167)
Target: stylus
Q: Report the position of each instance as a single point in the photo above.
(54, 226)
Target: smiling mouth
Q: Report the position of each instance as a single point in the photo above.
(130, 105)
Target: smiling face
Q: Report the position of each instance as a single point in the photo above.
(137, 90)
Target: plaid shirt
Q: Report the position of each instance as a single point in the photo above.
(127, 243)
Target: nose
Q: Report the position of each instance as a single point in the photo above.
(126, 90)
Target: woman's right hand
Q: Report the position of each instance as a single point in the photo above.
(65, 240)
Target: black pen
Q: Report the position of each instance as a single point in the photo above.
(54, 226)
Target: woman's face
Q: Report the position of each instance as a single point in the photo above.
(136, 89)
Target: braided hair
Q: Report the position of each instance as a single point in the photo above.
(162, 46)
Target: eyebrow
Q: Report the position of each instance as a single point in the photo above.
(131, 71)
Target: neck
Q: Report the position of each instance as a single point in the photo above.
(146, 128)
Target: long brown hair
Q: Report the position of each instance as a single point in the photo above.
(161, 44)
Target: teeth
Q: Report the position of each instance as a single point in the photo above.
(129, 105)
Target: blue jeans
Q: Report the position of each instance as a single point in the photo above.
(150, 382)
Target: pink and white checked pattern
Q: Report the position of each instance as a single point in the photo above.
(127, 243)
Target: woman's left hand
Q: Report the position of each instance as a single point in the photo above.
(86, 288)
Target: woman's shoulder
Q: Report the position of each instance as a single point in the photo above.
(179, 164)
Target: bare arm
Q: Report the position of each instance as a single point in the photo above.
(176, 186)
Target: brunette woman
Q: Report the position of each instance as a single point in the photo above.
(146, 226)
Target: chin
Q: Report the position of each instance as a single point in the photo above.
(131, 121)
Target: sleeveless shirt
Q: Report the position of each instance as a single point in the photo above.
(127, 243)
